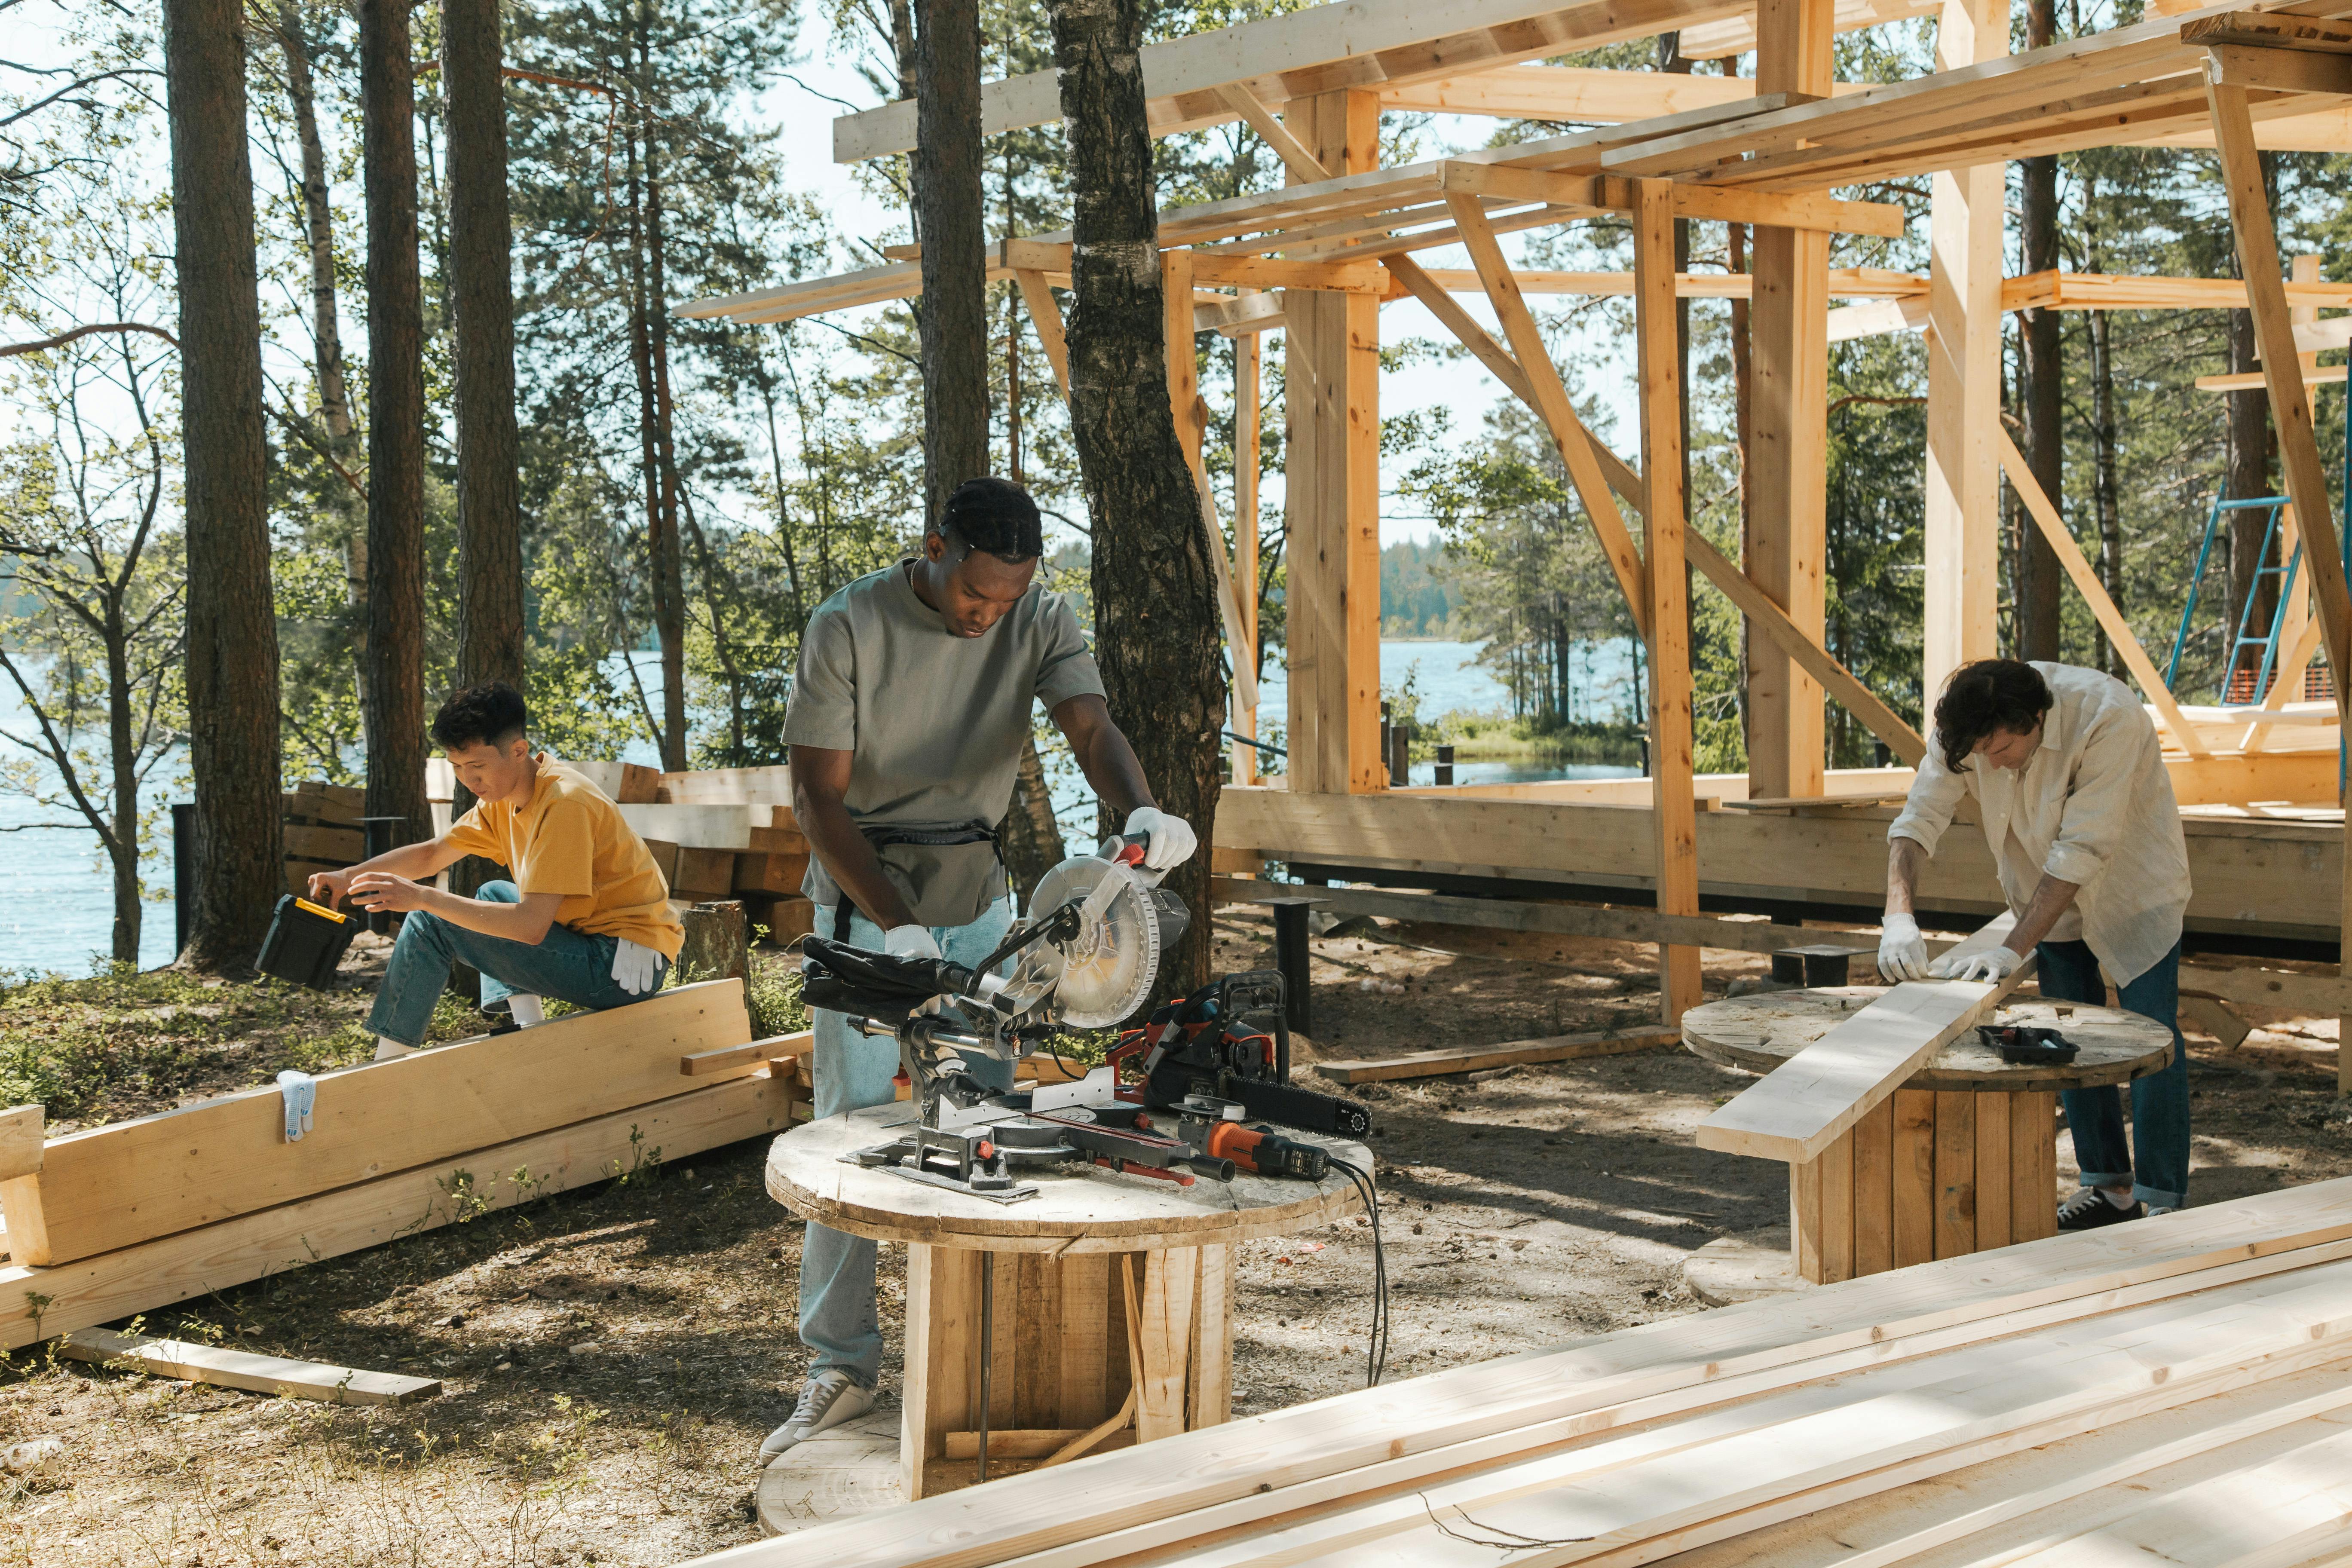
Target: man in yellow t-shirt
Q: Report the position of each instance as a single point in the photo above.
(586, 918)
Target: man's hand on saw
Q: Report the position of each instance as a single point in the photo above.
(911, 941)
(1986, 964)
(1168, 840)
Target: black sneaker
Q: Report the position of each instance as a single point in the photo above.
(2090, 1208)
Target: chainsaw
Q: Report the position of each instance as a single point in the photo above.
(1169, 1104)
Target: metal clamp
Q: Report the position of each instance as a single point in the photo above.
(300, 1093)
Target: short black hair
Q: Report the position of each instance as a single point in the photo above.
(1988, 695)
(995, 515)
(492, 712)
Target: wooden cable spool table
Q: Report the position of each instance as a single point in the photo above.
(1112, 1294)
(1962, 1158)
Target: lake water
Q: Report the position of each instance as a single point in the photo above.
(57, 909)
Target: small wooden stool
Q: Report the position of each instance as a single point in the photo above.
(1962, 1158)
(1113, 1296)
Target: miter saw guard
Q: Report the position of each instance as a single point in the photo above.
(1087, 960)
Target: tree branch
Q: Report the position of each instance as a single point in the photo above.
(6, 350)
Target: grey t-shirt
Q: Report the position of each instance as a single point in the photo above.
(934, 723)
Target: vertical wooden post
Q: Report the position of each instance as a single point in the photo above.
(2306, 476)
(1672, 790)
(1788, 433)
(1246, 348)
(1963, 514)
(1332, 403)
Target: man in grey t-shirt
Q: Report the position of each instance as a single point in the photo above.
(906, 726)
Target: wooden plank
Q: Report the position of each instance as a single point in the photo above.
(703, 873)
(1805, 1241)
(1086, 1396)
(1036, 1307)
(21, 1133)
(1319, 49)
(335, 846)
(706, 825)
(1991, 1165)
(762, 873)
(2260, 69)
(1332, 558)
(732, 1059)
(770, 785)
(1914, 1195)
(1956, 1174)
(1837, 1250)
(1575, 443)
(152, 1275)
(1712, 1477)
(1514, 1053)
(2266, 30)
(1209, 1396)
(226, 1368)
(2034, 1166)
(1170, 1278)
(1793, 1112)
(133, 1180)
(1045, 316)
(1672, 743)
(1279, 1462)
(1873, 1191)
(1269, 272)
(2205, 1013)
(1809, 211)
(2306, 475)
(2095, 593)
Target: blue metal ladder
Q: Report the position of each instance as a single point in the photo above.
(2246, 676)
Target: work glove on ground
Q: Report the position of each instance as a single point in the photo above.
(637, 969)
(1987, 964)
(1168, 840)
(1902, 951)
(910, 941)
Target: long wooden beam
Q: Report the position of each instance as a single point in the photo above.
(1609, 193)
(1348, 44)
(2095, 593)
(1664, 526)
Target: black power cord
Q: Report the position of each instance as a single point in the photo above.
(1376, 1347)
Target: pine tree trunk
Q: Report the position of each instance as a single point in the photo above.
(2042, 389)
(395, 526)
(946, 177)
(122, 833)
(2249, 475)
(232, 638)
(1154, 587)
(490, 503)
(318, 221)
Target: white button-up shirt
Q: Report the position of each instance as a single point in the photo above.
(2092, 805)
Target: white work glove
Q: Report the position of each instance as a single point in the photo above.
(637, 969)
(1168, 840)
(1987, 964)
(910, 941)
(1902, 951)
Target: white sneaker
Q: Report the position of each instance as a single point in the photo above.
(829, 1398)
(389, 1049)
(2156, 1209)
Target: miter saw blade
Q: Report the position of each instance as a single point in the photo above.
(1108, 965)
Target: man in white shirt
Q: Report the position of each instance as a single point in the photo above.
(2069, 780)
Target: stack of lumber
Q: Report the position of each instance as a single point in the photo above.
(721, 833)
(322, 830)
(137, 1214)
(2178, 1390)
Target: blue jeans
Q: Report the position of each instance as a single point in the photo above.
(567, 964)
(2156, 1163)
(853, 1071)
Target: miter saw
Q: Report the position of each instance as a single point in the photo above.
(1172, 1103)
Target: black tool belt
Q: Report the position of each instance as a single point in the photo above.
(884, 835)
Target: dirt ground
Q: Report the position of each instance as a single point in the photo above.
(612, 1357)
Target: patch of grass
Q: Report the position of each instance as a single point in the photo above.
(124, 1043)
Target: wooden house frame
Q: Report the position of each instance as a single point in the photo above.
(1320, 257)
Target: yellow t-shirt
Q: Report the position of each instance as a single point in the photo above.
(571, 840)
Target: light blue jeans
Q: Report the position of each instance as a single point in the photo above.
(568, 965)
(853, 1071)
(2156, 1159)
